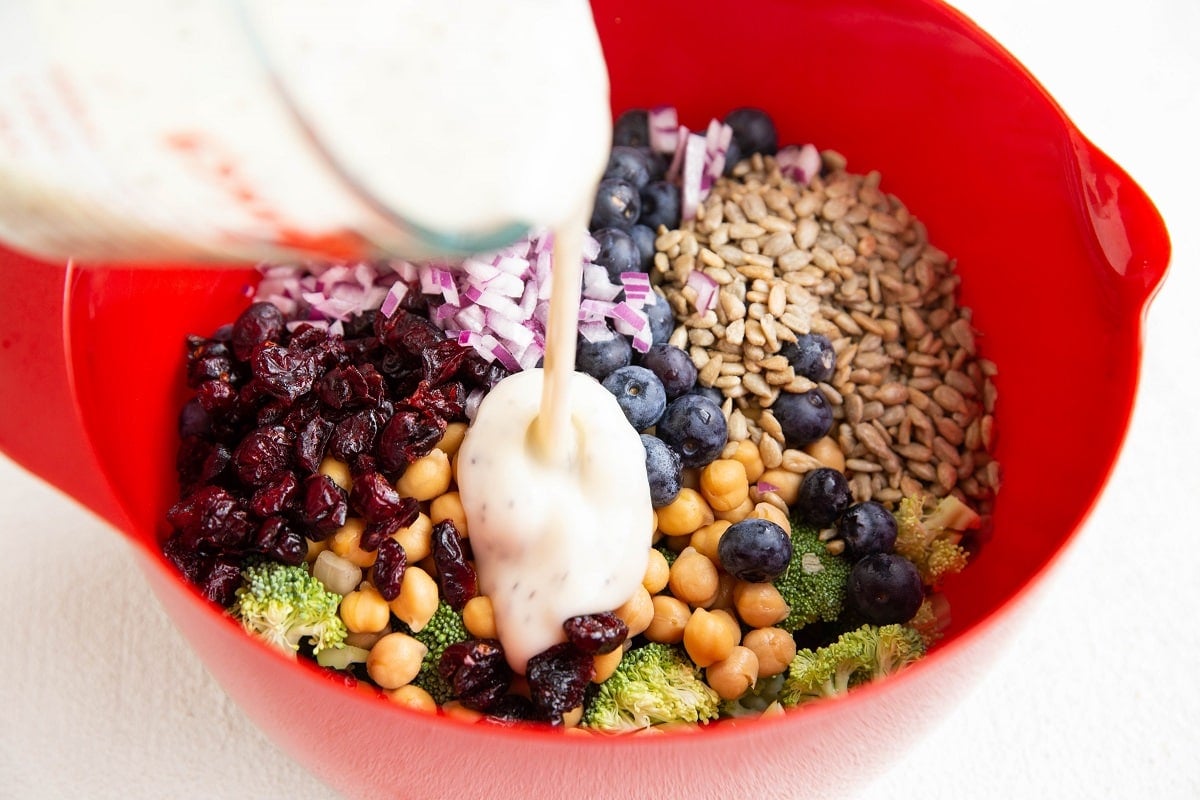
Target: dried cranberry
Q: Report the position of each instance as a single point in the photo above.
(373, 497)
(282, 372)
(389, 567)
(261, 322)
(263, 456)
(447, 401)
(353, 435)
(210, 515)
(221, 579)
(441, 360)
(310, 443)
(208, 360)
(323, 506)
(275, 497)
(596, 634)
(456, 576)
(558, 678)
(290, 547)
(215, 463)
(510, 710)
(216, 396)
(408, 435)
(407, 332)
(194, 419)
(477, 672)
(301, 412)
(195, 462)
(186, 559)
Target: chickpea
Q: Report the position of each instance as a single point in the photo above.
(705, 540)
(395, 660)
(346, 542)
(684, 514)
(427, 477)
(479, 618)
(828, 452)
(774, 647)
(689, 478)
(730, 621)
(737, 514)
(658, 572)
(733, 675)
(724, 484)
(724, 596)
(706, 637)
(676, 544)
(637, 612)
(413, 697)
(452, 439)
(573, 717)
(457, 710)
(670, 618)
(418, 599)
(694, 578)
(786, 483)
(449, 507)
(606, 665)
(747, 453)
(364, 610)
(769, 512)
(759, 604)
(417, 538)
(337, 471)
(366, 640)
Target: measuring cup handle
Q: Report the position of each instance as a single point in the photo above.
(40, 426)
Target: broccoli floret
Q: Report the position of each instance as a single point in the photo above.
(283, 604)
(928, 534)
(653, 684)
(858, 656)
(669, 554)
(932, 618)
(814, 583)
(444, 628)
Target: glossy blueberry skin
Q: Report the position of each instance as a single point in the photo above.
(632, 128)
(661, 205)
(673, 366)
(824, 496)
(644, 238)
(694, 427)
(755, 550)
(617, 205)
(664, 471)
(753, 130)
(804, 417)
(812, 356)
(601, 359)
(711, 392)
(662, 320)
(658, 163)
(628, 164)
(867, 528)
(640, 394)
(618, 253)
(885, 588)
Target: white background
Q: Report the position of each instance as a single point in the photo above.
(1096, 697)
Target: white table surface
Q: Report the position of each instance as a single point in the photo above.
(1097, 697)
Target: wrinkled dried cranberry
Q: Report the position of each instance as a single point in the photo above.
(511, 709)
(261, 322)
(310, 443)
(185, 558)
(477, 672)
(323, 506)
(558, 678)
(407, 332)
(408, 435)
(221, 579)
(353, 435)
(373, 496)
(290, 547)
(195, 462)
(301, 412)
(193, 419)
(207, 360)
(390, 564)
(482, 373)
(275, 497)
(263, 456)
(215, 463)
(456, 576)
(211, 516)
(283, 372)
(216, 396)
(447, 401)
(596, 634)
(354, 385)
(441, 360)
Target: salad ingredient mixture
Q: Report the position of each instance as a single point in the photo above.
(784, 353)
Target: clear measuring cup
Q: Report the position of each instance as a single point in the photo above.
(138, 130)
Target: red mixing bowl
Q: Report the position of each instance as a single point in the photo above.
(1060, 253)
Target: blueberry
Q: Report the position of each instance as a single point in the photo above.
(662, 320)
(673, 367)
(640, 394)
(661, 205)
(867, 528)
(753, 130)
(711, 392)
(600, 359)
(811, 355)
(663, 469)
(695, 428)
(617, 205)
(804, 417)
(824, 495)
(628, 164)
(632, 128)
(644, 238)
(733, 154)
(618, 253)
(755, 550)
(657, 162)
(885, 588)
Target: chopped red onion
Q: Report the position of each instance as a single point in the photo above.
(764, 487)
(706, 291)
(596, 331)
(394, 296)
(663, 122)
(676, 165)
(801, 164)
(692, 190)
